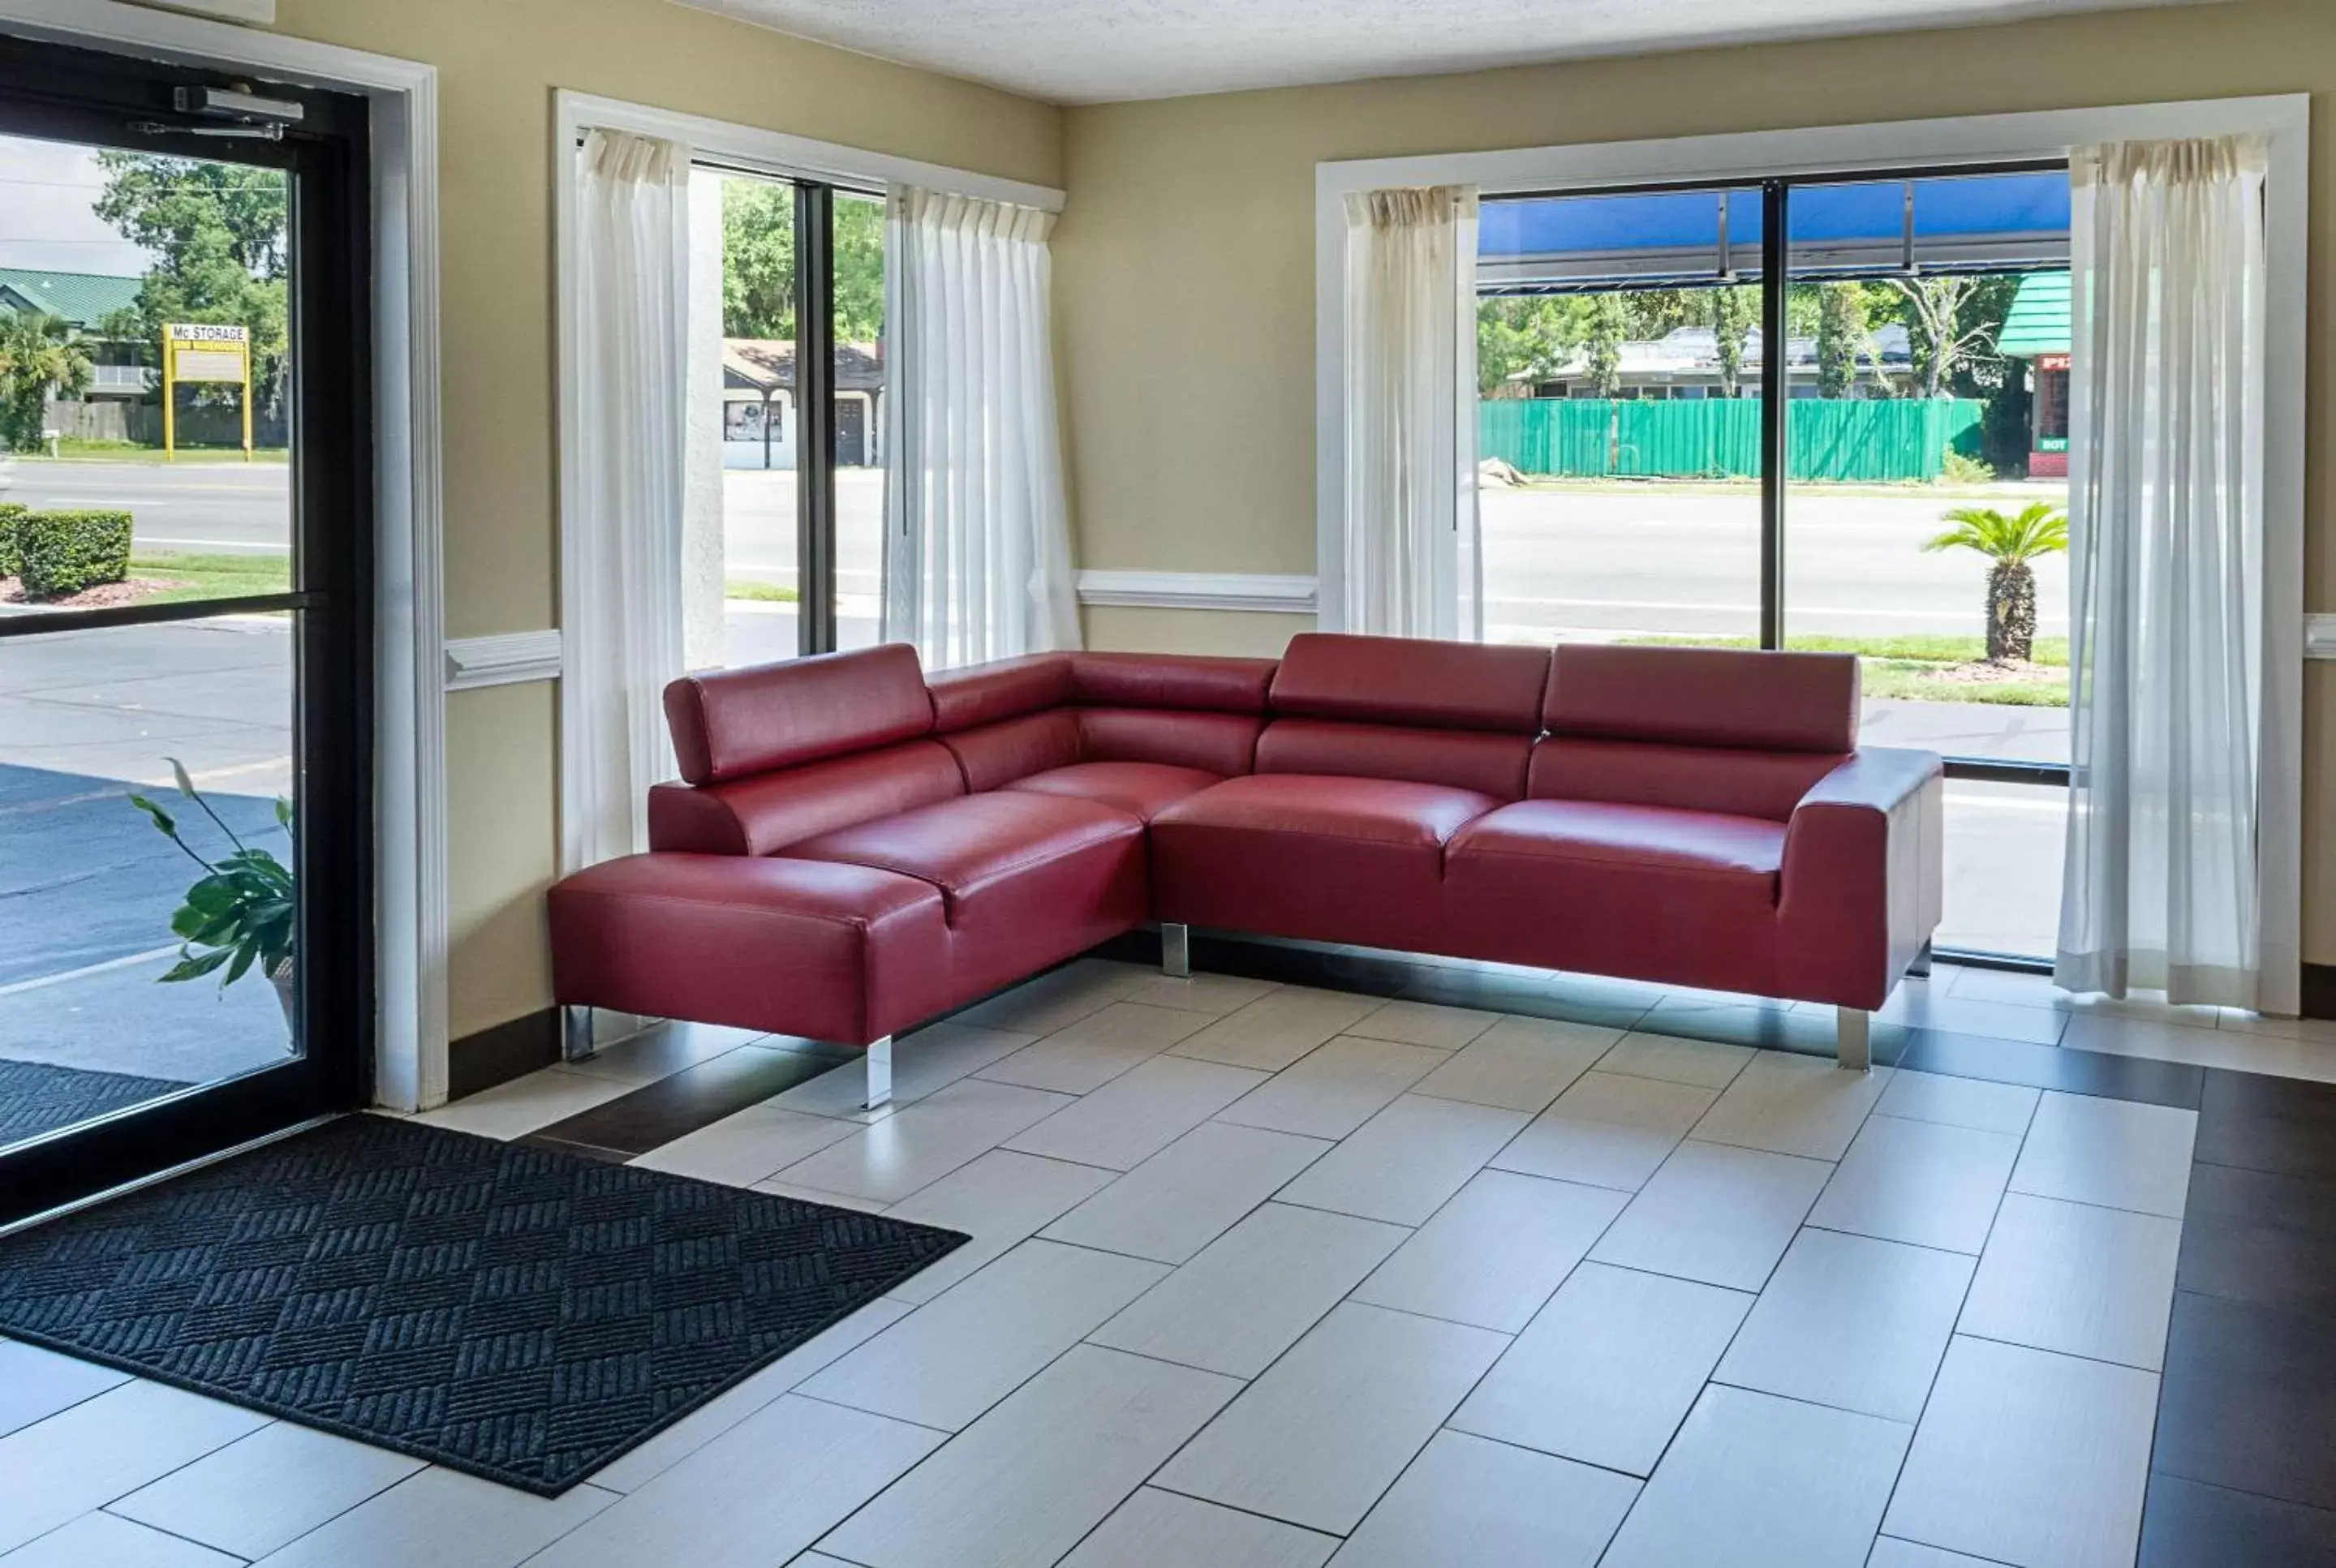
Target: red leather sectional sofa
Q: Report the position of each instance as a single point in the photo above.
(856, 850)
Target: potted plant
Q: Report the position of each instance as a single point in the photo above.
(241, 913)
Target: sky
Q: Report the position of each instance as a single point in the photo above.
(45, 223)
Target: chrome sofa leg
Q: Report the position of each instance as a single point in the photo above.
(880, 1073)
(576, 1034)
(1921, 968)
(1852, 1035)
(1175, 949)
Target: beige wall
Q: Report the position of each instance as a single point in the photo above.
(498, 64)
(1186, 267)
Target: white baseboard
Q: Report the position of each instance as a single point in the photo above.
(503, 660)
(1287, 596)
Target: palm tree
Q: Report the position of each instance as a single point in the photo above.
(38, 359)
(2011, 543)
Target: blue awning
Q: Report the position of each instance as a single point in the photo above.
(2002, 222)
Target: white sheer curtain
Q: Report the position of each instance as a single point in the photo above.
(2166, 542)
(977, 555)
(624, 551)
(1412, 563)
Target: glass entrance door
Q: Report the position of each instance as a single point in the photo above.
(184, 617)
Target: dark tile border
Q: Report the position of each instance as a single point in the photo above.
(682, 1102)
(496, 1055)
(2319, 991)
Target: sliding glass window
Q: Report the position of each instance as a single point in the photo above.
(783, 535)
(1818, 413)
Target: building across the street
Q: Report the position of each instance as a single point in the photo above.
(758, 399)
(82, 301)
(2036, 335)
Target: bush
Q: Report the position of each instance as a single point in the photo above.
(1956, 468)
(62, 553)
(9, 512)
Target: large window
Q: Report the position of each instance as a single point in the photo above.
(784, 541)
(1821, 413)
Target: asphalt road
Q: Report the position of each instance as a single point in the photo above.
(1600, 561)
(207, 509)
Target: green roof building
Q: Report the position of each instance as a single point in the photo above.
(2038, 328)
(82, 299)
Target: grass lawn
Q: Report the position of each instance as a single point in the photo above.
(212, 576)
(85, 452)
(768, 592)
(1932, 669)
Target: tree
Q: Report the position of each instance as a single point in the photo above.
(217, 232)
(38, 359)
(1608, 325)
(758, 263)
(1944, 334)
(1524, 337)
(1841, 333)
(2012, 542)
(1731, 324)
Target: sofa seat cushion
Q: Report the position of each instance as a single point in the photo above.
(1736, 857)
(1642, 892)
(1026, 879)
(1314, 856)
(1142, 789)
(834, 952)
(975, 841)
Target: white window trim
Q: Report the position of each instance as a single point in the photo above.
(750, 150)
(2284, 120)
(410, 912)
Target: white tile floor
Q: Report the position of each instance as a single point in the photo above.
(1271, 1277)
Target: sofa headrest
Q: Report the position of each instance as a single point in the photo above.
(1411, 681)
(1172, 680)
(986, 693)
(730, 723)
(1739, 697)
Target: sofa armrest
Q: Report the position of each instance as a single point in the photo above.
(1864, 874)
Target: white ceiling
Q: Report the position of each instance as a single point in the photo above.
(1104, 51)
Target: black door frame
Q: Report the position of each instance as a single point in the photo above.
(92, 98)
(1776, 414)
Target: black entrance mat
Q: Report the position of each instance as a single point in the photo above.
(36, 1097)
(520, 1313)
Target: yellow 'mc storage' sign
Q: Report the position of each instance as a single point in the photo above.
(198, 352)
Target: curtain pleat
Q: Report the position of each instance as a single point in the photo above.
(978, 554)
(631, 381)
(1412, 564)
(2165, 541)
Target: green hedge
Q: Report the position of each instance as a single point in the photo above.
(9, 512)
(62, 553)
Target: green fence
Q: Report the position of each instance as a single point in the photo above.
(1719, 438)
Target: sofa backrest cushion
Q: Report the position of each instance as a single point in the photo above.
(1171, 681)
(1223, 743)
(1726, 697)
(729, 724)
(1733, 780)
(988, 693)
(997, 754)
(1412, 682)
(766, 812)
(1478, 760)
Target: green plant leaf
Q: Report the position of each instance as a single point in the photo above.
(194, 968)
(162, 819)
(244, 954)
